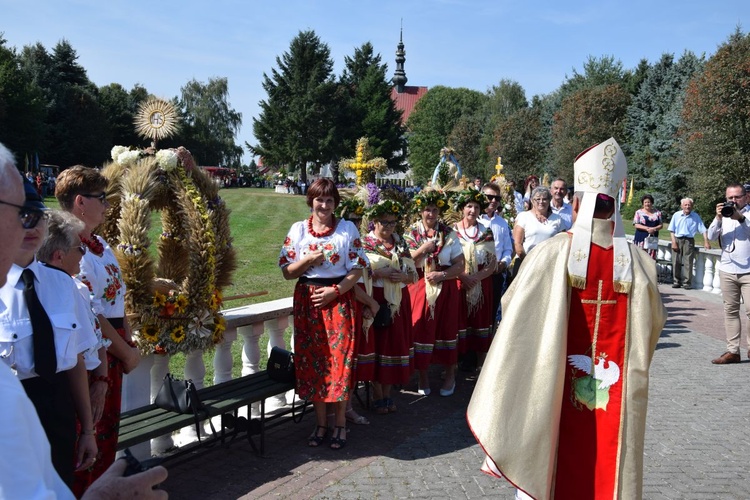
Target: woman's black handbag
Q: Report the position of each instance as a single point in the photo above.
(383, 318)
(280, 365)
(179, 396)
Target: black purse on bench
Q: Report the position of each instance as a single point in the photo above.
(181, 396)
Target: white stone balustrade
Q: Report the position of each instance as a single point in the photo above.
(250, 322)
(705, 271)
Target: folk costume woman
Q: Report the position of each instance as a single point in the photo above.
(475, 282)
(435, 317)
(325, 255)
(392, 269)
(82, 192)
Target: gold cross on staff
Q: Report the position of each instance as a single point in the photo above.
(599, 303)
(499, 166)
(360, 164)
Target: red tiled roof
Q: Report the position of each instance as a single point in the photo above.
(406, 100)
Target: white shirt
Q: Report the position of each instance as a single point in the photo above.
(71, 328)
(342, 249)
(735, 243)
(91, 355)
(26, 469)
(501, 234)
(566, 214)
(102, 274)
(536, 232)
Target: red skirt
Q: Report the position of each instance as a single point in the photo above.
(106, 428)
(324, 345)
(436, 337)
(475, 332)
(394, 345)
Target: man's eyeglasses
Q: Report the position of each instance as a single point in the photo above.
(81, 248)
(101, 197)
(391, 223)
(492, 197)
(29, 217)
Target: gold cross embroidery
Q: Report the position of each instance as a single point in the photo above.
(622, 260)
(579, 255)
(599, 303)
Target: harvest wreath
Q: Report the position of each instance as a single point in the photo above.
(173, 304)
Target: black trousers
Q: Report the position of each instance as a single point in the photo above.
(54, 406)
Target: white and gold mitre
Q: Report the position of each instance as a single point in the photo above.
(600, 169)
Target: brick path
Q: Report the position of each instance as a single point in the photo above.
(697, 441)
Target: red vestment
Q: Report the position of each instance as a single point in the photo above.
(591, 413)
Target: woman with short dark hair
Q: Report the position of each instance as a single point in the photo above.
(647, 221)
(325, 255)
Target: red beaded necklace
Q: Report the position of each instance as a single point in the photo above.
(327, 232)
(94, 245)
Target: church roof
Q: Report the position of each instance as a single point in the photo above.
(406, 100)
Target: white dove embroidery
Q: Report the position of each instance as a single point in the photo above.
(607, 376)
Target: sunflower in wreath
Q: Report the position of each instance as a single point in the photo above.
(461, 198)
(428, 197)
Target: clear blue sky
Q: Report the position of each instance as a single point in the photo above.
(457, 43)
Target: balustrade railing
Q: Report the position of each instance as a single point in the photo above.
(248, 322)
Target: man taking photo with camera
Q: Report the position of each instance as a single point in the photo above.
(732, 229)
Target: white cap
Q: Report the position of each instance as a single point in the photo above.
(600, 169)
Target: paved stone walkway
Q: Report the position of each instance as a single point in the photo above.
(697, 440)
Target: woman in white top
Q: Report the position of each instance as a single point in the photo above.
(536, 225)
(434, 298)
(475, 282)
(325, 254)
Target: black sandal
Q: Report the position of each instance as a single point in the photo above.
(315, 440)
(337, 442)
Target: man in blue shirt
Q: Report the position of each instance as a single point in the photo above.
(683, 227)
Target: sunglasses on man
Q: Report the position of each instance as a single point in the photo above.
(29, 216)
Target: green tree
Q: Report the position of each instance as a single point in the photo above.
(503, 100)
(77, 128)
(652, 122)
(518, 140)
(296, 122)
(370, 112)
(22, 109)
(586, 117)
(432, 121)
(716, 129)
(209, 123)
(120, 108)
(465, 138)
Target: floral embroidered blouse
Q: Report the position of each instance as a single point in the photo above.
(479, 234)
(101, 273)
(342, 249)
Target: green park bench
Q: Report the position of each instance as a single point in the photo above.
(141, 424)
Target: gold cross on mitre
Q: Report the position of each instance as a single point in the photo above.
(361, 164)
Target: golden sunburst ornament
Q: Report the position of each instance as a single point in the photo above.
(156, 120)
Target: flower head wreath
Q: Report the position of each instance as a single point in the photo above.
(385, 207)
(429, 197)
(462, 198)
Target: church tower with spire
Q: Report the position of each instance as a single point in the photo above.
(404, 96)
(399, 77)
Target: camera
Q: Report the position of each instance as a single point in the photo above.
(728, 209)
